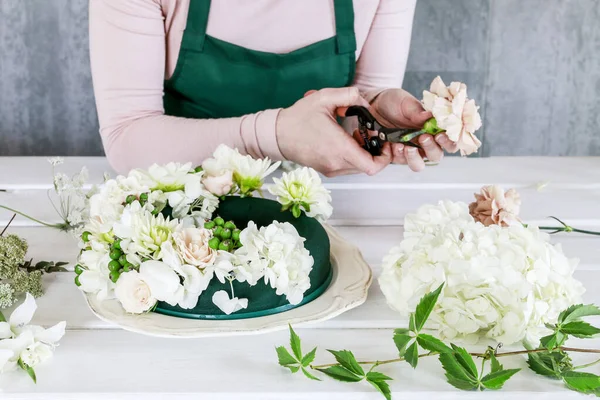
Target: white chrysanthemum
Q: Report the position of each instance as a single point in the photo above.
(504, 283)
(302, 188)
(141, 232)
(276, 253)
(168, 178)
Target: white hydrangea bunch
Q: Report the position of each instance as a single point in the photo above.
(302, 189)
(23, 345)
(501, 283)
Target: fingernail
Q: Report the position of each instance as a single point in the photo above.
(412, 150)
(426, 140)
(440, 139)
(399, 149)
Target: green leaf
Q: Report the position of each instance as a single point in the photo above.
(310, 357)
(411, 322)
(576, 312)
(341, 374)
(27, 369)
(401, 340)
(553, 341)
(296, 212)
(425, 307)
(295, 344)
(286, 359)
(347, 360)
(306, 206)
(2, 318)
(285, 207)
(496, 366)
(582, 381)
(456, 375)
(579, 329)
(496, 380)
(465, 360)
(412, 355)
(551, 364)
(431, 343)
(309, 375)
(378, 380)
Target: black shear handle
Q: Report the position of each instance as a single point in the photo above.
(366, 123)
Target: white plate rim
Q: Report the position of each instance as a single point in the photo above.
(346, 291)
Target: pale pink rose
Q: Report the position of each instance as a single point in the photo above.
(493, 206)
(219, 185)
(454, 113)
(192, 245)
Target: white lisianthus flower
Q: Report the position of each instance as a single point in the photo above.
(302, 189)
(170, 177)
(31, 344)
(454, 113)
(248, 173)
(95, 277)
(503, 283)
(141, 232)
(276, 253)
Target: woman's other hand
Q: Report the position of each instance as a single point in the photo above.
(308, 133)
(399, 109)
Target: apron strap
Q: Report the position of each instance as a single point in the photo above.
(195, 29)
(344, 26)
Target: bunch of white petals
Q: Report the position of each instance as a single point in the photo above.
(501, 283)
(302, 189)
(26, 344)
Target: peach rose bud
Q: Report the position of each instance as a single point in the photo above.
(219, 185)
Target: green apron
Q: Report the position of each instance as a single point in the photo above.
(217, 79)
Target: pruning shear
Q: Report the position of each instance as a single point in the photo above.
(373, 144)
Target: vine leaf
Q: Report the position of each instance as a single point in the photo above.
(431, 343)
(553, 340)
(456, 374)
(550, 364)
(582, 381)
(348, 361)
(296, 362)
(495, 380)
(579, 329)
(424, 308)
(287, 360)
(341, 374)
(295, 344)
(308, 358)
(496, 366)
(401, 339)
(309, 375)
(465, 360)
(378, 380)
(412, 355)
(576, 312)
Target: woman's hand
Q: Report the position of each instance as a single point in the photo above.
(399, 109)
(308, 133)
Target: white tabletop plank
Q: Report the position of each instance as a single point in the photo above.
(104, 364)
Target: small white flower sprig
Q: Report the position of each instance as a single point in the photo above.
(453, 113)
(551, 359)
(26, 346)
(152, 235)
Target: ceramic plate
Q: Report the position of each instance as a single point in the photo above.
(346, 291)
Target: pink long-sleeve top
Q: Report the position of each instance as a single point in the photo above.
(134, 45)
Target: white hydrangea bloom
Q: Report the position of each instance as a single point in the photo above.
(503, 283)
(276, 253)
(303, 188)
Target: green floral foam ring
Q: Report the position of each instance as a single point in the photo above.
(262, 299)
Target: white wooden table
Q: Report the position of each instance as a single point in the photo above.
(97, 360)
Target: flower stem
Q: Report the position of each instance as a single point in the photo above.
(505, 354)
(7, 225)
(2, 318)
(30, 217)
(587, 365)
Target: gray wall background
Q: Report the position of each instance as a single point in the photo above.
(532, 65)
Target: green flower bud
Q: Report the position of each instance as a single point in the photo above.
(117, 244)
(225, 245)
(115, 254)
(226, 234)
(431, 126)
(85, 236)
(230, 225)
(114, 276)
(218, 231)
(79, 269)
(219, 221)
(235, 235)
(128, 267)
(123, 259)
(77, 282)
(209, 224)
(144, 196)
(198, 169)
(130, 199)
(114, 265)
(214, 243)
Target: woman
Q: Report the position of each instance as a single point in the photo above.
(173, 79)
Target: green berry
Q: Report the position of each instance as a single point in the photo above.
(198, 169)
(155, 211)
(78, 269)
(117, 244)
(219, 221)
(218, 231)
(225, 245)
(130, 199)
(144, 196)
(230, 225)
(128, 267)
(85, 236)
(209, 224)
(214, 243)
(226, 234)
(114, 276)
(115, 254)
(77, 282)
(123, 259)
(114, 265)
(235, 235)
